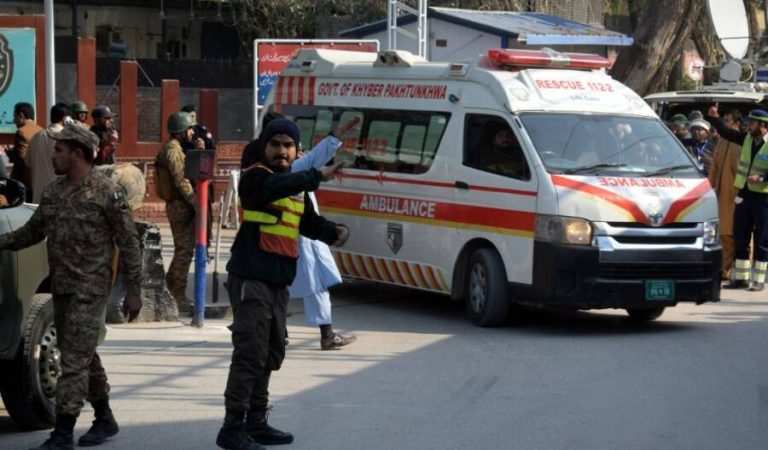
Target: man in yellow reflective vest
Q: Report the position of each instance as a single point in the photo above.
(750, 218)
(276, 210)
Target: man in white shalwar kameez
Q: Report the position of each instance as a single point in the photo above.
(316, 269)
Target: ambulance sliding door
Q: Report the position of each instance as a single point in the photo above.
(496, 191)
(388, 197)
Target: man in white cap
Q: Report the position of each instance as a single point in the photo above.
(701, 145)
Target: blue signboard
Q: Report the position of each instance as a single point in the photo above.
(762, 75)
(17, 72)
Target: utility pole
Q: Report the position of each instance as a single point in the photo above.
(50, 60)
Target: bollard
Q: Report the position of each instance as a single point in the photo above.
(200, 165)
(201, 258)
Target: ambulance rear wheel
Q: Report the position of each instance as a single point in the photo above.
(645, 314)
(487, 302)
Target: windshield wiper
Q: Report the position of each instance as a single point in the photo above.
(666, 170)
(590, 167)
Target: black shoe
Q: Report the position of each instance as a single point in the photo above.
(756, 287)
(61, 436)
(735, 284)
(236, 439)
(336, 342)
(57, 442)
(101, 430)
(257, 427)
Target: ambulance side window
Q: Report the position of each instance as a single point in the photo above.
(404, 141)
(490, 145)
(350, 142)
(323, 122)
(306, 128)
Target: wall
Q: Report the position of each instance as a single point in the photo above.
(140, 28)
(235, 105)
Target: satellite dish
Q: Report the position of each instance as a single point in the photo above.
(731, 26)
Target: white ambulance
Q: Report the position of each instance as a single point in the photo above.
(525, 176)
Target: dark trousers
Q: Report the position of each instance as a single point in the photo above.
(258, 337)
(77, 318)
(751, 216)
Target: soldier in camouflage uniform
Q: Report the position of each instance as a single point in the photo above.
(179, 199)
(83, 214)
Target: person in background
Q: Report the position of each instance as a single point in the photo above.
(80, 113)
(700, 145)
(680, 127)
(201, 132)
(104, 127)
(40, 152)
(750, 217)
(24, 118)
(81, 244)
(179, 199)
(725, 164)
(316, 269)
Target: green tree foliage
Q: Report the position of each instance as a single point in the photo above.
(291, 19)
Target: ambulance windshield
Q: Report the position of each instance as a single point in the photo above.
(582, 144)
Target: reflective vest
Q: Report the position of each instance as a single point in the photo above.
(278, 223)
(748, 166)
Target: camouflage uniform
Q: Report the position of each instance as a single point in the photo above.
(82, 228)
(179, 196)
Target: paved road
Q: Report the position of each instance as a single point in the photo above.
(421, 377)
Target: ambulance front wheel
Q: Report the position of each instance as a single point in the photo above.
(486, 293)
(645, 314)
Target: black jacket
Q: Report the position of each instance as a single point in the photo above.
(257, 188)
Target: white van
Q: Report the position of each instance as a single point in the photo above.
(524, 176)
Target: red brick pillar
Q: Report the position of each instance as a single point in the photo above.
(169, 105)
(208, 113)
(86, 72)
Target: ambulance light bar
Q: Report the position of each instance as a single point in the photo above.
(547, 57)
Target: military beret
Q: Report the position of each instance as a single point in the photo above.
(72, 132)
(758, 114)
(679, 118)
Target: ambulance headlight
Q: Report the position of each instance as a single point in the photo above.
(712, 232)
(564, 230)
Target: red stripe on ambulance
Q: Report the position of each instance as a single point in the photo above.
(609, 196)
(690, 197)
(428, 209)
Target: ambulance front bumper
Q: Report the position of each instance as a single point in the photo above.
(586, 278)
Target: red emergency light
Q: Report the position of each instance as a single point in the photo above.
(547, 58)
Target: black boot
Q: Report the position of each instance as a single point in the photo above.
(257, 427)
(103, 427)
(736, 284)
(232, 435)
(61, 436)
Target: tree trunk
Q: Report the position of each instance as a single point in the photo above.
(752, 16)
(705, 40)
(659, 40)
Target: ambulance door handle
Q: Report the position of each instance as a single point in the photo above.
(461, 185)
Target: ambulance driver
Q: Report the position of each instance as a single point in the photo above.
(503, 155)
